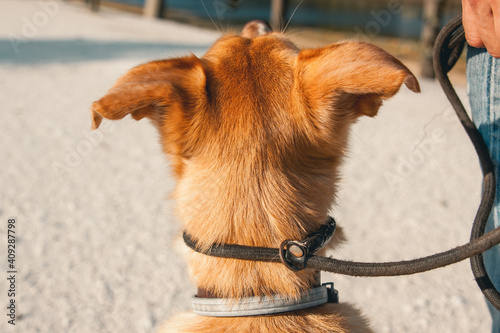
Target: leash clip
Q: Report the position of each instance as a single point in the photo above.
(295, 254)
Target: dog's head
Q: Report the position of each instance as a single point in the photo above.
(257, 124)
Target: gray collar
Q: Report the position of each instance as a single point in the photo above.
(263, 305)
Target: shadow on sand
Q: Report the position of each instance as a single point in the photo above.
(78, 50)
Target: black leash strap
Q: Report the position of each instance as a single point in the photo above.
(449, 44)
(447, 50)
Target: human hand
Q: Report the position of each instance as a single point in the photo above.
(481, 20)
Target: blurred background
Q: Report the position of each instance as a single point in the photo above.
(96, 222)
(412, 24)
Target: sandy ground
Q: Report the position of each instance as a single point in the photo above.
(94, 220)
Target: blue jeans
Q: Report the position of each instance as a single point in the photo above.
(483, 82)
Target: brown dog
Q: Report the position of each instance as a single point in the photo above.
(256, 130)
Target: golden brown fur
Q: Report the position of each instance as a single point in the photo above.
(256, 130)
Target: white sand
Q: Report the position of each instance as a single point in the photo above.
(95, 223)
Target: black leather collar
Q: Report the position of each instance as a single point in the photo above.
(294, 254)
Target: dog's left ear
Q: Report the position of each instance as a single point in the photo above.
(352, 77)
(154, 90)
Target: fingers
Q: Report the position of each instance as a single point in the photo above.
(481, 20)
(493, 46)
(471, 30)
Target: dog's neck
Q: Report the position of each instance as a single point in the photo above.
(253, 209)
(260, 210)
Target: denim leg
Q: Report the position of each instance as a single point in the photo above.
(483, 83)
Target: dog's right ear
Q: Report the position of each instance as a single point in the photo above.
(153, 90)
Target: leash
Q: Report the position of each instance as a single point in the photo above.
(449, 45)
(448, 48)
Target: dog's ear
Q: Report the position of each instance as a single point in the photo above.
(352, 77)
(150, 90)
